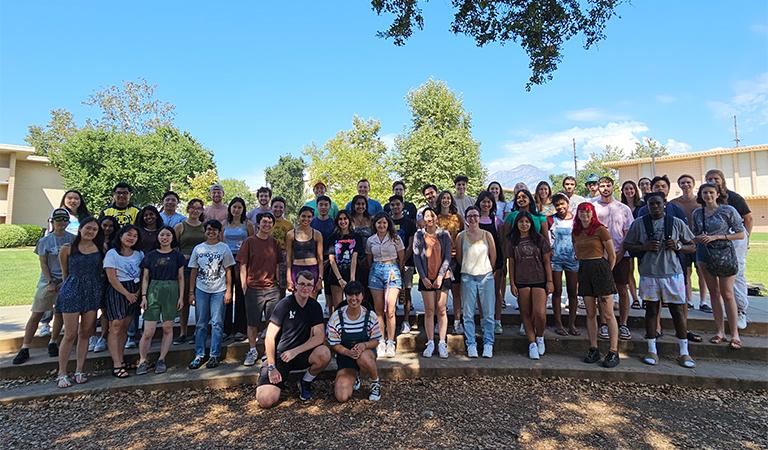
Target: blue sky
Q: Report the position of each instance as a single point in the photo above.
(253, 80)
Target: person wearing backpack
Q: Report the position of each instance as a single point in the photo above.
(657, 238)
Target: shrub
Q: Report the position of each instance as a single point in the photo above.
(12, 236)
(34, 233)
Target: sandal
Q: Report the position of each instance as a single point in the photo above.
(120, 372)
(693, 337)
(63, 381)
(735, 344)
(574, 332)
(716, 339)
(561, 331)
(636, 305)
(80, 378)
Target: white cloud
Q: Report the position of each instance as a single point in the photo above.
(675, 146)
(665, 99)
(591, 115)
(759, 28)
(254, 177)
(749, 103)
(389, 140)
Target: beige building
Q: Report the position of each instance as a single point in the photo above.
(29, 186)
(745, 169)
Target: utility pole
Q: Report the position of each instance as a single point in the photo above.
(575, 165)
(736, 131)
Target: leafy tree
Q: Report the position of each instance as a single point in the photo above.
(94, 160)
(286, 178)
(438, 145)
(51, 137)
(238, 188)
(130, 107)
(542, 27)
(350, 156)
(648, 148)
(200, 187)
(593, 165)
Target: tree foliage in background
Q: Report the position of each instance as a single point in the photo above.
(92, 161)
(131, 107)
(199, 186)
(286, 179)
(350, 156)
(542, 27)
(53, 135)
(438, 145)
(647, 148)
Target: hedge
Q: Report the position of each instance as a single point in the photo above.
(19, 235)
(34, 233)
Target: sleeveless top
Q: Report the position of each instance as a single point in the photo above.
(234, 237)
(304, 249)
(190, 237)
(491, 228)
(475, 256)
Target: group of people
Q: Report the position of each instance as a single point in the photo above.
(155, 262)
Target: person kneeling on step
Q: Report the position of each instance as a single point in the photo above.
(295, 341)
(659, 237)
(354, 333)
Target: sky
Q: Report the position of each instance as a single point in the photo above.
(255, 80)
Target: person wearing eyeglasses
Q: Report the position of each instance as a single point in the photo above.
(295, 341)
(121, 208)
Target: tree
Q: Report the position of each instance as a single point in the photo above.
(131, 107)
(541, 26)
(648, 148)
(51, 137)
(350, 156)
(593, 165)
(200, 187)
(92, 161)
(438, 145)
(286, 178)
(238, 188)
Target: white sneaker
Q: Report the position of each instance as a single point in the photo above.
(382, 348)
(540, 345)
(91, 343)
(742, 320)
(250, 357)
(442, 349)
(497, 329)
(472, 351)
(406, 328)
(458, 327)
(533, 351)
(100, 345)
(130, 343)
(521, 332)
(45, 331)
(390, 350)
(429, 350)
(488, 351)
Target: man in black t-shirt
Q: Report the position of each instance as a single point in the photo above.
(409, 209)
(295, 341)
(406, 228)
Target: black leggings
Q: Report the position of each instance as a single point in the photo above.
(652, 311)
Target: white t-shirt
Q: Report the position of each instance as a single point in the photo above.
(127, 267)
(212, 262)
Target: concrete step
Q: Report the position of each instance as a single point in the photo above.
(708, 374)
(755, 349)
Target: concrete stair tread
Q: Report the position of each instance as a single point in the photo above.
(721, 374)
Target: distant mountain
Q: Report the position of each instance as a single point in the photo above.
(528, 174)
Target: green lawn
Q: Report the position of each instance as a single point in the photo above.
(19, 270)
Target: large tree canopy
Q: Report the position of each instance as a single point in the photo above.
(286, 178)
(541, 27)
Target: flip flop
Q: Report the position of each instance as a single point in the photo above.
(716, 339)
(574, 332)
(735, 344)
(561, 331)
(636, 305)
(693, 337)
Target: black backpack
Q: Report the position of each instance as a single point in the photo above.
(648, 224)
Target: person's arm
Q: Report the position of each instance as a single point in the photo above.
(548, 271)
(316, 339)
(244, 276)
(289, 260)
(491, 248)
(409, 249)
(144, 287)
(44, 269)
(63, 259)
(269, 351)
(748, 222)
(228, 292)
(319, 255)
(418, 259)
(250, 229)
(178, 228)
(400, 254)
(180, 280)
(611, 252)
(353, 267)
(116, 285)
(511, 265)
(192, 285)
(459, 245)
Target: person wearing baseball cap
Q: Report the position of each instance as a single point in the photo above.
(591, 184)
(319, 188)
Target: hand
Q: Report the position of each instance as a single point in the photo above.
(342, 283)
(289, 286)
(180, 304)
(275, 377)
(132, 297)
(427, 283)
(651, 246)
(550, 287)
(191, 298)
(670, 244)
(227, 297)
(52, 286)
(287, 355)
(513, 289)
(319, 284)
(144, 304)
(358, 350)
(438, 282)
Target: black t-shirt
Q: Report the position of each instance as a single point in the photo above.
(406, 228)
(295, 322)
(163, 266)
(342, 248)
(409, 210)
(738, 202)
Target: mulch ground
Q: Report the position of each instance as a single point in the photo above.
(455, 413)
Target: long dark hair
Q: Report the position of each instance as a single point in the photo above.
(140, 218)
(107, 239)
(117, 245)
(539, 200)
(487, 195)
(390, 224)
(532, 208)
(636, 200)
(174, 241)
(98, 240)
(353, 213)
(230, 217)
(514, 235)
(82, 210)
(451, 208)
(501, 190)
(337, 229)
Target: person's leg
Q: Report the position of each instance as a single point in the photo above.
(524, 302)
(703, 288)
(429, 313)
(31, 328)
(344, 384)
(184, 313)
(740, 281)
(392, 294)
(591, 305)
(571, 286)
(407, 305)
(254, 308)
(469, 290)
(632, 285)
(731, 308)
(241, 320)
(202, 317)
(441, 310)
(165, 344)
(87, 319)
(217, 322)
(335, 300)
(716, 299)
(487, 296)
(117, 329)
(318, 360)
(606, 310)
(58, 323)
(539, 310)
(557, 295)
(623, 303)
(378, 307)
(367, 363)
(688, 286)
(70, 333)
(499, 288)
(456, 292)
(146, 339)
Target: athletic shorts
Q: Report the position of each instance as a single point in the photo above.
(162, 296)
(260, 302)
(384, 275)
(531, 285)
(621, 271)
(567, 265)
(446, 285)
(345, 362)
(595, 278)
(669, 290)
(300, 362)
(408, 272)
(43, 300)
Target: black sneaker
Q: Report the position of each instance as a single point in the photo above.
(53, 349)
(705, 308)
(180, 340)
(196, 363)
(213, 362)
(305, 390)
(611, 360)
(21, 357)
(593, 355)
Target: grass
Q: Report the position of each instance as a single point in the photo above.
(19, 270)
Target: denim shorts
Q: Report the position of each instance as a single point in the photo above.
(384, 275)
(559, 265)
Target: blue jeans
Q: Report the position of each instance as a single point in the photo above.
(209, 307)
(472, 287)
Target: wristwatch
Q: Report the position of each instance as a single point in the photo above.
(270, 368)
(679, 245)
